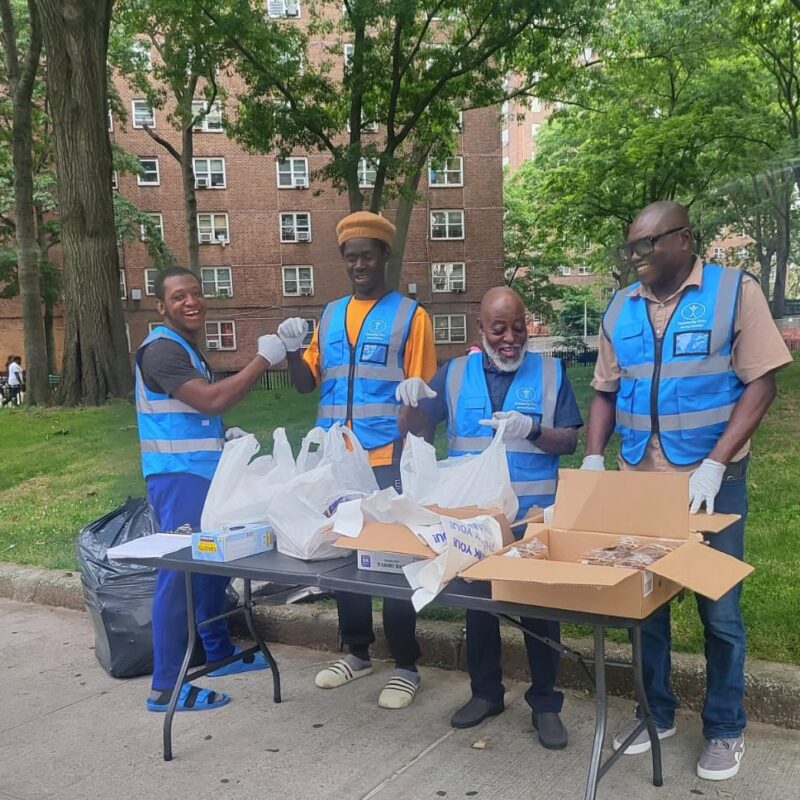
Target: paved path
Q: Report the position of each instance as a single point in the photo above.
(67, 730)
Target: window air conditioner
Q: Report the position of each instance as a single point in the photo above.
(205, 237)
(292, 9)
(213, 345)
(303, 236)
(201, 183)
(222, 238)
(412, 288)
(300, 183)
(458, 289)
(305, 290)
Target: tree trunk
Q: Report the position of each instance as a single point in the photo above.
(21, 77)
(50, 341)
(190, 199)
(95, 347)
(783, 201)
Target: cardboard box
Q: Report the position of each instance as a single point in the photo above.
(376, 561)
(595, 509)
(235, 541)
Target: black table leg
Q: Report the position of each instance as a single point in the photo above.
(600, 712)
(248, 616)
(644, 706)
(192, 633)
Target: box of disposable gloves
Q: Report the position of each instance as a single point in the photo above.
(232, 542)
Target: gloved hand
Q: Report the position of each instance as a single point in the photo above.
(410, 391)
(595, 462)
(292, 332)
(234, 433)
(704, 485)
(271, 349)
(548, 513)
(518, 426)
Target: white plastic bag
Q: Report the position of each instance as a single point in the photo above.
(472, 480)
(241, 487)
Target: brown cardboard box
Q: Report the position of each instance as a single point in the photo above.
(392, 537)
(594, 509)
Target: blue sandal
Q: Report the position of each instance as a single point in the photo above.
(236, 667)
(192, 698)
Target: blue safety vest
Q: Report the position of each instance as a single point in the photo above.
(358, 382)
(175, 437)
(533, 391)
(680, 387)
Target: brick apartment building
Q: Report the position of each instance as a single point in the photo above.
(267, 237)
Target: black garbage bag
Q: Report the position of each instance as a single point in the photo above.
(119, 595)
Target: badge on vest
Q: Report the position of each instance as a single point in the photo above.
(374, 354)
(692, 343)
(525, 399)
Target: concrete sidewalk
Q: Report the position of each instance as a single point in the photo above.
(67, 730)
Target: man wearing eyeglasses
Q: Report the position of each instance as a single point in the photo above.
(685, 372)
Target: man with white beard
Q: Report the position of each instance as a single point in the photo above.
(533, 394)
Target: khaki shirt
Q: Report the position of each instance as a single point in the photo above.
(758, 348)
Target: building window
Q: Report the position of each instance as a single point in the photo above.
(536, 105)
(212, 121)
(448, 276)
(221, 335)
(448, 173)
(114, 180)
(295, 226)
(157, 221)
(312, 326)
(212, 229)
(110, 122)
(504, 137)
(292, 173)
(447, 224)
(719, 253)
(565, 271)
(449, 328)
(142, 114)
(217, 281)
(298, 281)
(141, 53)
(367, 171)
(209, 173)
(150, 285)
(123, 287)
(506, 161)
(535, 130)
(744, 254)
(584, 270)
(148, 172)
(283, 8)
(347, 53)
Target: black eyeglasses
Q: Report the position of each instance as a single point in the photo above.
(644, 246)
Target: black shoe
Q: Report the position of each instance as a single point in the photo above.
(476, 711)
(552, 734)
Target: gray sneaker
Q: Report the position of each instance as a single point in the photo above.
(721, 759)
(641, 744)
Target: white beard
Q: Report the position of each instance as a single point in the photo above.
(499, 362)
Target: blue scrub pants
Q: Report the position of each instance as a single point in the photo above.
(177, 499)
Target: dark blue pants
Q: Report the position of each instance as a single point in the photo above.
(723, 710)
(178, 500)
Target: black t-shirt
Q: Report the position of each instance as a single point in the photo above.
(166, 366)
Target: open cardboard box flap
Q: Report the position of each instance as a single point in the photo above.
(629, 503)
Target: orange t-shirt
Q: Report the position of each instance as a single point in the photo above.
(419, 360)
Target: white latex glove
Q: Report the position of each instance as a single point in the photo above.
(518, 426)
(595, 462)
(292, 332)
(271, 349)
(548, 513)
(410, 391)
(234, 433)
(704, 485)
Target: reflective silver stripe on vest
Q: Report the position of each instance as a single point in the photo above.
(394, 371)
(169, 406)
(612, 312)
(527, 488)
(709, 365)
(676, 422)
(181, 445)
(722, 326)
(458, 443)
(637, 422)
(359, 412)
(454, 379)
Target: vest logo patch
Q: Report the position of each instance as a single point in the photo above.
(377, 326)
(693, 312)
(526, 394)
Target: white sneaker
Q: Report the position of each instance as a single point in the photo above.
(398, 693)
(339, 673)
(641, 744)
(720, 759)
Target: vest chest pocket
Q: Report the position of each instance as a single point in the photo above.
(702, 403)
(628, 343)
(625, 406)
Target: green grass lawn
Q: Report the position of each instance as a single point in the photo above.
(63, 468)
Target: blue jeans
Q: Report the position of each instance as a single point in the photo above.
(723, 709)
(177, 500)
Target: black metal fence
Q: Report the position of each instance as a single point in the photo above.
(271, 379)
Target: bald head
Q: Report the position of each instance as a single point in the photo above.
(663, 214)
(504, 331)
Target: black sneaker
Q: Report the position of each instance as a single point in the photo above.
(476, 711)
(552, 733)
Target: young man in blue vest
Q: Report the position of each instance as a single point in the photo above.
(178, 406)
(685, 372)
(365, 345)
(533, 394)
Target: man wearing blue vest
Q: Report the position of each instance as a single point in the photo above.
(366, 344)
(685, 372)
(532, 393)
(178, 407)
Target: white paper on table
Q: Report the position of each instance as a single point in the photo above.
(154, 546)
(467, 541)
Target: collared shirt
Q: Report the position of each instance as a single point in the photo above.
(758, 348)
